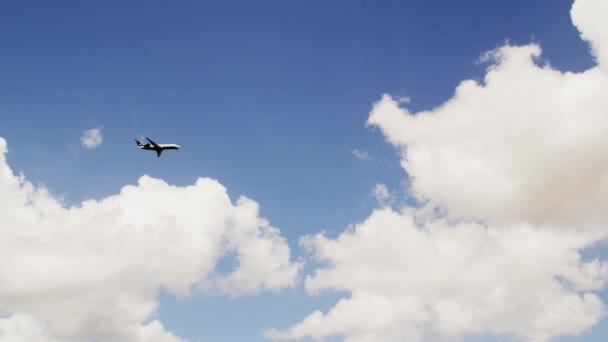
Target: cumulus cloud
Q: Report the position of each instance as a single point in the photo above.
(513, 173)
(589, 16)
(528, 144)
(415, 277)
(23, 328)
(91, 138)
(93, 272)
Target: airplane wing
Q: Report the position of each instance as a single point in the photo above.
(153, 143)
(158, 152)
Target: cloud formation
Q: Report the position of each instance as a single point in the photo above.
(414, 277)
(93, 272)
(589, 16)
(513, 173)
(528, 144)
(382, 195)
(360, 155)
(91, 138)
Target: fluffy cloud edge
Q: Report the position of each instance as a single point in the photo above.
(93, 271)
(497, 248)
(413, 276)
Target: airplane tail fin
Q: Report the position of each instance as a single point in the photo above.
(138, 143)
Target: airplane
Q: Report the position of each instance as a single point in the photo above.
(159, 148)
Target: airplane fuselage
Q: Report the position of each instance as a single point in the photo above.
(162, 147)
(159, 148)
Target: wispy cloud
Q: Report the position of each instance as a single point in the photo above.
(382, 195)
(360, 155)
(91, 138)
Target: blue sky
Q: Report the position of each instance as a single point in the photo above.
(270, 98)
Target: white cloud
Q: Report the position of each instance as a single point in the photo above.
(23, 328)
(360, 155)
(415, 278)
(403, 99)
(514, 173)
(91, 138)
(589, 16)
(382, 195)
(94, 271)
(527, 145)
